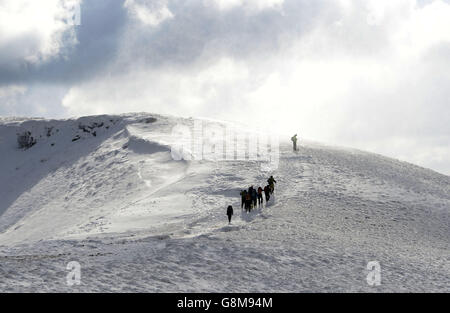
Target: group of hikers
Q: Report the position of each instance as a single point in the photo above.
(252, 198)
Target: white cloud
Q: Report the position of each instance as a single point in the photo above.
(163, 91)
(33, 31)
(346, 83)
(423, 28)
(148, 12)
(371, 74)
(249, 5)
(9, 96)
(11, 91)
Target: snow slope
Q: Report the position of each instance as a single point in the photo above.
(105, 191)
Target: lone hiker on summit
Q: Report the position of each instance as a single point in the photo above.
(294, 141)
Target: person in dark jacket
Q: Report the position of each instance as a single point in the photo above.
(243, 196)
(230, 213)
(254, 197)
(267, 193)
(250, 193)
(248, 203)
(260, 196)
(272, 183)
(294, 142)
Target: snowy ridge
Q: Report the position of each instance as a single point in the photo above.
(106, 192)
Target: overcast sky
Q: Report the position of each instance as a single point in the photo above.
(370, 74)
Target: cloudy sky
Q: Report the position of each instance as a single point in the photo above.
(370, 74)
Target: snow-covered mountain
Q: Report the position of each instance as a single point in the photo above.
(106, 192)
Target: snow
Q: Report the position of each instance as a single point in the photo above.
(137, 220)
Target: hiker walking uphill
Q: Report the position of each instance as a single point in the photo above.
(248, 203)
(272, 183)
(260, 196)
(254, 197)
(243, 196)
(267, 193)
(230, 213)
(294, 142)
